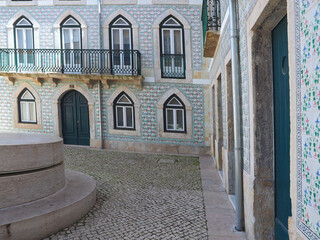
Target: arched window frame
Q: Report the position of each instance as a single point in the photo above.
(174, 109)
(28, 105)
(112, 26)
(124, 106)
(171, 28)
(18, 26)
(64, 26)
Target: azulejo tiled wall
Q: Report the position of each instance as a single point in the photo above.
(148, 98)
(144, 15)
(308, 62)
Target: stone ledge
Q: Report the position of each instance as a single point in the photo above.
(46, 216)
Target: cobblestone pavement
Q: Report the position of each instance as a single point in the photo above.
(139, 196)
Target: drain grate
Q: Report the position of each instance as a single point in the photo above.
(163, 160)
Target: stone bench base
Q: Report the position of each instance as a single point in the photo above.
(43, 217)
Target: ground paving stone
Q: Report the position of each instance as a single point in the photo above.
(138, 197)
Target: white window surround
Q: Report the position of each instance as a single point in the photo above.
(57, 32)
(188, 119)
(157, 49)
(110, 102)
(56, 108)
(28, 113)
(10, 28)
(15, 102)
(134, 26)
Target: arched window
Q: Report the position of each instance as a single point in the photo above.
(71, 43)
(123, 108)
(172, 48)
(121, 45)
(27, 107)
(174, 115)
(23, 31)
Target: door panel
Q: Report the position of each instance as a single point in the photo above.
(75, 119)
(281, 129)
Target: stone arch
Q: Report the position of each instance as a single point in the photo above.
(57, 110)
(10, 28)
(56, 28)
(187, 45)
(136, 103)
(15, 106)
(134, 26)
(188, 107)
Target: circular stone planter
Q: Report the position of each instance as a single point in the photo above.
(37, 197)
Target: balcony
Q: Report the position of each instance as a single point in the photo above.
(173, 66)
(211, 23)
(71, 64)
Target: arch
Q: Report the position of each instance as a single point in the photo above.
(187, 44)
(83, 25)
(111, 118)
(134, 26)
(15, 103)
(188, 109)
(10, 28)
(56, 101)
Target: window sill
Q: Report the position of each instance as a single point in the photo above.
(22, 3)
(63, 3)
(124, 132)
(27, 126)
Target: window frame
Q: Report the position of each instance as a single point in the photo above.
(27, 101)
(123, 106)
(62, 26)
(174, 108)
(162, 27)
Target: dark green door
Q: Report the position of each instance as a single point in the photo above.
(281, 129)
(75, 119)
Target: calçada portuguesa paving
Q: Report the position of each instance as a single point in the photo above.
(148, 196)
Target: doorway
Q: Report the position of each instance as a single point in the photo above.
(75, 119)
(281, 129)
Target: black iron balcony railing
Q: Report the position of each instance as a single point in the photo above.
(77, 61)
(173, 66)
(211, 15)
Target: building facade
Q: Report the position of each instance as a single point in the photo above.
(279, 80)
(126, 76)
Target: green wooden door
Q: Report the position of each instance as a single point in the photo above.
(281, 129)
(75, 119)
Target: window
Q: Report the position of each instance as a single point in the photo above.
(27, 107)
(124, 112)
(172, 48)
(121, 45)
(23, 31)
(71, 43)
(174, 115)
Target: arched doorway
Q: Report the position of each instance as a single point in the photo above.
(75, 119)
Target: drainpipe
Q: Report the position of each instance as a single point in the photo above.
(99, 81)
(234, 33)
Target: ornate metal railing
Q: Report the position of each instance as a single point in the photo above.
(77, 61)
(173, 66)
(211, 15)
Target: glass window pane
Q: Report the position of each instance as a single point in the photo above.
(174, 102)
(166, 42)
(66, 38)
(76, 39)
(32, 107)
(27, 96)
(23, 22)
(29, 39)
(120, 122)
(129, 113)
(126, 39)
(20, 38)
(177, 42)
(115, 39)
(180, 125)
(24, 112)
(71, 21)
(124, 99)
(170, 125)
(120, 21)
